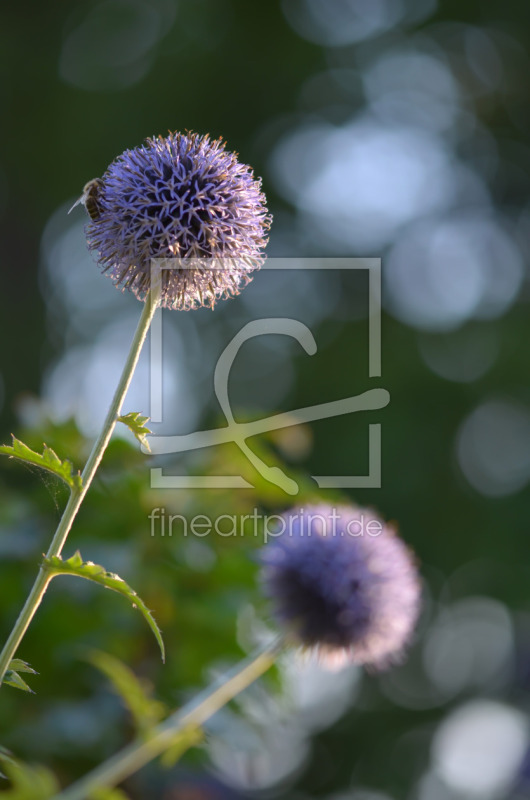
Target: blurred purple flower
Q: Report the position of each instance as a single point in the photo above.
(343, 582)
(179, 197)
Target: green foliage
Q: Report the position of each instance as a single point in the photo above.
(198, 588)
(145, 710)
(94, 572)
(136, 423)
(12, 677)
(27, 782)
(48, 460)
(22, 666)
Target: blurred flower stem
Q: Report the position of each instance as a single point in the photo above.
(179, 731)
(77, 494)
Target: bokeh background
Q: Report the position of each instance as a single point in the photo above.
(391, 128)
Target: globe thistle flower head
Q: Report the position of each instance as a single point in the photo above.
(341, 581)
(188, 201)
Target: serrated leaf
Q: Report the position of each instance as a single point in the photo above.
(21, 666)
(146, 711)
(94, 572)
(136, 423)
(48, 460)
(12, 678)
(27, 782)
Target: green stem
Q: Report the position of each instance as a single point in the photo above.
(178, 726)
(77, 495)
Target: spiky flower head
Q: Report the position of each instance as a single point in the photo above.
(341, 581)
(180, 197)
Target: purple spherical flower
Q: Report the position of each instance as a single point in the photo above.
(180, 197)
(342, 581)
